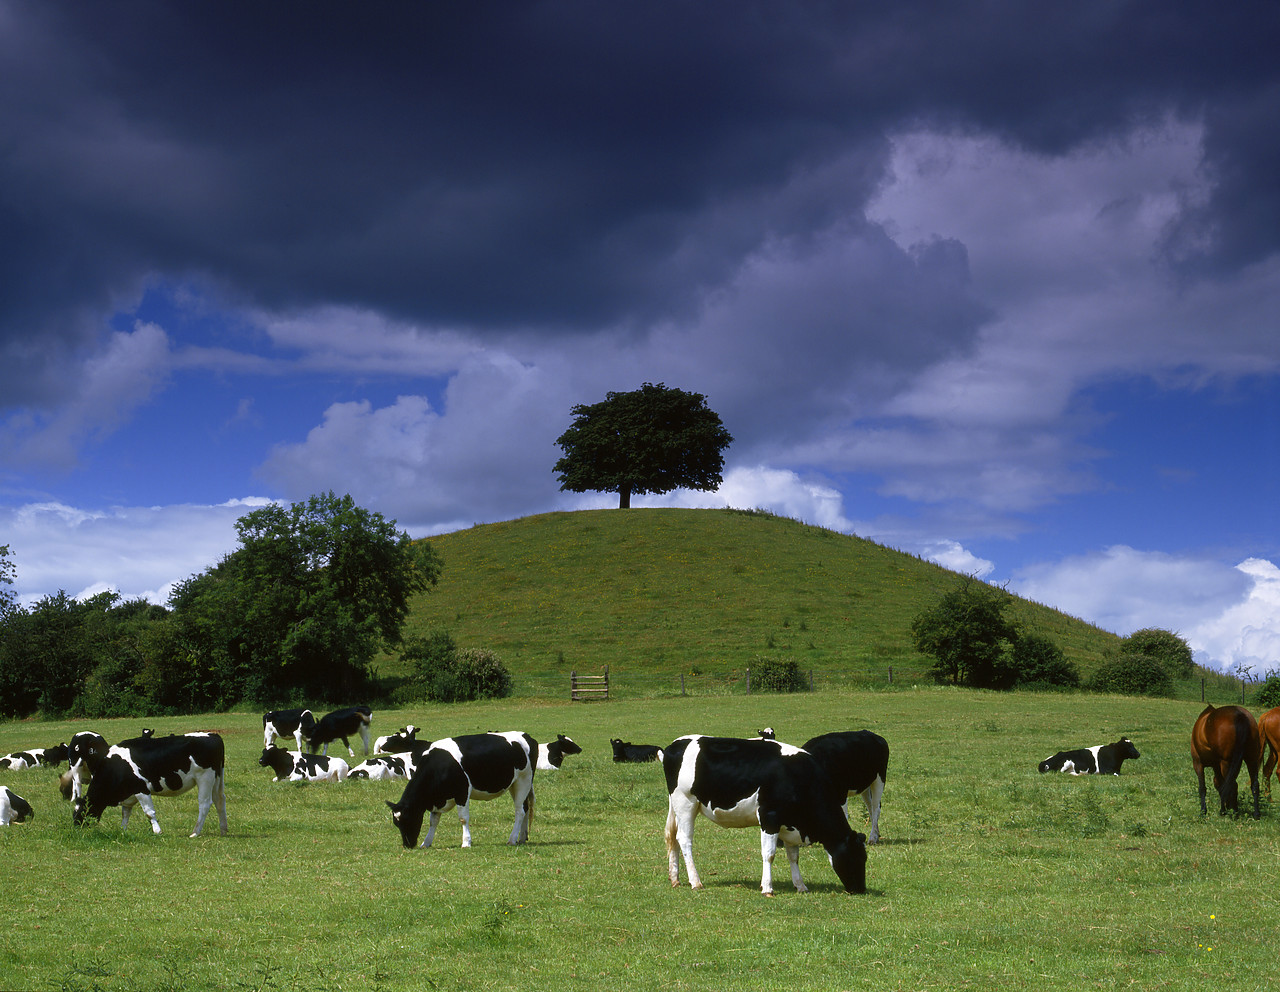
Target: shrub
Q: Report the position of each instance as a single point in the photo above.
(1132, 675)
(1269, 693)
(965, 633)
(771, 675)
(1163, 646)
(1039, 663)
(444, 674)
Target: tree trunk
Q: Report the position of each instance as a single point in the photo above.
(624, 498)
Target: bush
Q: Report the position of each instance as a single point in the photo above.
(1038, 663)
(1269, 693)
(965, 633)
(770, 675)
(1132, 675)
(444, 674)
(1163, 646)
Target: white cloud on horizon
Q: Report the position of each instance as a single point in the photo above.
(1229, 615)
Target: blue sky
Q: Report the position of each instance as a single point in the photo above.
(995, 285)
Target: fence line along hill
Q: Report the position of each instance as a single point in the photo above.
(657, 592)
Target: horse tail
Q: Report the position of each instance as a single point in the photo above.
(1238, 748)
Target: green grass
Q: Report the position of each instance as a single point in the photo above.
(989, 875)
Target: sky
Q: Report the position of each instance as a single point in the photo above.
(993, 283)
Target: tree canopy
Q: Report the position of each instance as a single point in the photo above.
(650, 440)
(966, 632)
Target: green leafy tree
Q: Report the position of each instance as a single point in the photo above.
(965, 633)
(1163, 646)
(651, 440)
(315, 590)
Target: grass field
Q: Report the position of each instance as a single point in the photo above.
(989, 875)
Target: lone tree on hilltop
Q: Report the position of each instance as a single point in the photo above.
(650, 440)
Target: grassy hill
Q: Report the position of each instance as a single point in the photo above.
(665, 591)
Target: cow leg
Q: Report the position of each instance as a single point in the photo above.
(268, 735)
(681, 812)
(350, 752)
(768, 848)
(364, 736)
(220, 798)
(431, 830)
(205, 785)
(297, 736)
(872, 795)
(148, 807)
(464, 814)
(523, 801)
(793, 856)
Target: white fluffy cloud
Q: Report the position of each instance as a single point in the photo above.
(137, 551)
(1229, 616)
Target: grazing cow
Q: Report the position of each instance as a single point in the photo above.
(13, 808)
(551, 756)
(401, 741)
(294, 766)
(339, 725)
(133, 771)
(454, 771)
(22, 760)
(1223, 739)
(625, 751)
(857, 761)
(745, 783)
(297, 724)
(385, 766)
(1101, 759)
(1269, 731)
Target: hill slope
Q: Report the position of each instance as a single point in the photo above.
(672, 590)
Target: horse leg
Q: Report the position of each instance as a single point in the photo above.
(1204, 810)
(1268, 768)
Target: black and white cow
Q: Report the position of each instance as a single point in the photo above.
(758, 783)
(13, 808)
(551, 756)
(37, 756)
(297, 724)
(401, 741)
(1101, 759)
(626, 751)
(339, 725)
(294, 766)
(133, 771)
(385, 766)
(455, 770)
(857, 761)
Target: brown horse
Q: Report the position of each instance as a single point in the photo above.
(1223, 739)
(1269, 729)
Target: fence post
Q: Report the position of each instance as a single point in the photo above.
(891, 675)
(748, 681)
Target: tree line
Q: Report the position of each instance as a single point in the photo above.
(297, 612)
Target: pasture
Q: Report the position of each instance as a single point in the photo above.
(988, 875)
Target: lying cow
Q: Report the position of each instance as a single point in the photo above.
(297, 724)
(857, 761)
(294, 766)
(626, 751)
(13, 808)
(747, 783)
(551, 756)
(401, 741)
(1101, 759)
(385, 766)
(454, 771)
(132, 772)
(21, 760)
(339, 725)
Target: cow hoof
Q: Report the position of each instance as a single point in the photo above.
(768, 895)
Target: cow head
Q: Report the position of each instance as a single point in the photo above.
(1125, 749)
(849, 859)
(55, 755)
(408, 821)
(87, 747)
(567, 745)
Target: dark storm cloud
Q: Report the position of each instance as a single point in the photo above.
(551, 165)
